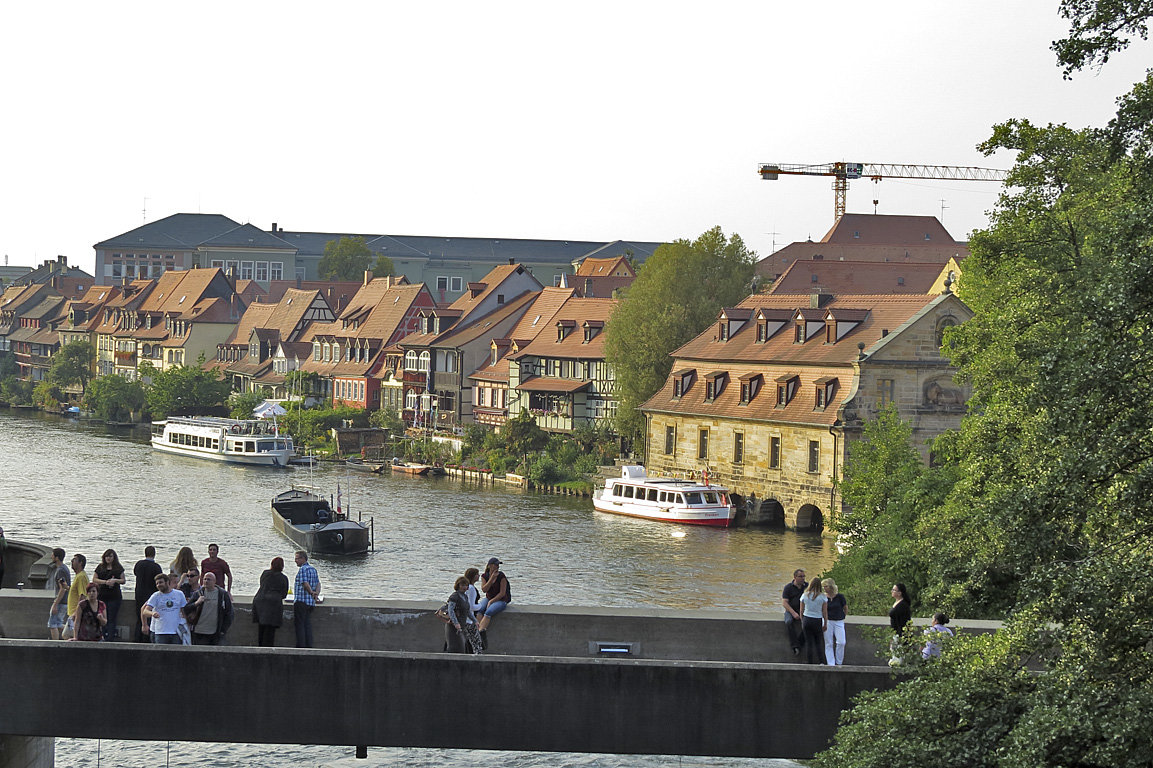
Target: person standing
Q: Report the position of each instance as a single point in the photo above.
(899, 616)
(304, 593)
(3, 549)
(472, 575)
(145, 571)
(183, 564)
(835, 634)
(268, 604)
(814, 620)
(77, 591)
(163, 610)
(218, 566)
(213, 614)
(108, 576)
(461, 633)
(791, 601)
(91, 616)
(59, 579)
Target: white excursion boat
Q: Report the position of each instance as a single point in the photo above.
(636, 494)
(233, 440)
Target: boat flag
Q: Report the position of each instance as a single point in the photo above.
(706, 476)
(338, 498)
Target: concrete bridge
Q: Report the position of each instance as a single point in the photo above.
(571, 680)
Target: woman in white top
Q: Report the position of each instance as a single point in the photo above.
(473, 594)
(814, 621)
(933, 634)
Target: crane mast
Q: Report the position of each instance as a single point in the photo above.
(843, 172)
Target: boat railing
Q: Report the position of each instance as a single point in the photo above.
(234, 426)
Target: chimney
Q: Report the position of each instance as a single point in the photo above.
(367, 276)
(298, 277)
(274, 227)
(63, 260)
(511, 262)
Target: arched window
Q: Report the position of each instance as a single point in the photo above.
(410, 400)
(411, 360)
(425, 359)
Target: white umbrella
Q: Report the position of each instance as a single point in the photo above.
(268, 409)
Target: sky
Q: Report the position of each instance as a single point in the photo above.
(592, 121)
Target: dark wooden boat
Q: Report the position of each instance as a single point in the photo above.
(306, 517)
(363, 465)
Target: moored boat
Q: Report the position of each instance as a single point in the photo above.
(236, 441)
(304, 516)
(636, 494)
(364, 465)
(409, 468)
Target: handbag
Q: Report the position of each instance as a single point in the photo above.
(442, 614)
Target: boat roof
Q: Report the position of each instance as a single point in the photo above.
(668, 482)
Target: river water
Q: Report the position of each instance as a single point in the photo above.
(86, 487)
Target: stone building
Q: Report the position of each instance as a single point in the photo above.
(769, 400)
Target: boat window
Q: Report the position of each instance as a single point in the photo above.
(215, 444)
(615, 490)
(628, 494)
(693, 497)
(264, 446)
(249, 446)
(678, 499)
(663, 497)
(710, 497)
(652, 494)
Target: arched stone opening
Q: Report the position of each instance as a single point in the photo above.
(809, 518)
(767, 512)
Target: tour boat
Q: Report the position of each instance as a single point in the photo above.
(303, 515)
(636, 494)
(233, 440)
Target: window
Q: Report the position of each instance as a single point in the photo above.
(246, 270)
(738, 448)
(442, 283)
(774, 453)
(410, 360)
(457, 284)
(500, 298)
(714, 385)
(670, 440)
(262, 271)
(786, 389)
(276, 270)
(424, 361)
(885, 389)
(814, 456)
(410, 400)
(820, 402)
(703, 444)
(723, 333)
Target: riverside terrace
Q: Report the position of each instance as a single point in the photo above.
(566, 679)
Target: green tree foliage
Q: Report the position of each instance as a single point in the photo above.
(301, 384)
(8, 366)
(1100, 28)
(47, 394)
(522, 436)
(1049, 520)
(677, 293)
(383, 266)
(184, 390)
(72, 364)
(242, 404)
(312, 426)
(387, 418)
(346, 259)
(115, 398)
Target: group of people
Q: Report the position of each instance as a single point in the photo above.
(469, 615)
(815, 621)
(190, 604)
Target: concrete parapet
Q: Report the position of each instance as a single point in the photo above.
(415, 699)
(26, 562)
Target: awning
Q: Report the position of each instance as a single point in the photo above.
(545, 384)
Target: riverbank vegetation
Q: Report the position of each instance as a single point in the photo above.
(1039, 509)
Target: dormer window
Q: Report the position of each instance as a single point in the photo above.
(751, 384)
(799, 331)
(787, 389)
(592, 328)
(683, 380)
(254, 350)
(563, 328)
(715, 385)
(825, 389)
(723, 330)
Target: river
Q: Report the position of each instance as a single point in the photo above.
(85, 487)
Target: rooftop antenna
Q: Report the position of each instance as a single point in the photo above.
(774, 234)
(943, 207)
(144, 212)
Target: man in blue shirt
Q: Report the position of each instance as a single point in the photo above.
(304, 593)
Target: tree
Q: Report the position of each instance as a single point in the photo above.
(1100, 28)
(523, 436)
(677, 293)
(383, 267)
(72, 364)
(242, 404)
(387, 418)
(300, 384)
(1049, 520)
(345, 259)
(184, 390)
(115, 398)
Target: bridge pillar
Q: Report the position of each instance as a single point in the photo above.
(27, 751)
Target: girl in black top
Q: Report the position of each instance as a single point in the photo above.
(899, 616)
(108, 577)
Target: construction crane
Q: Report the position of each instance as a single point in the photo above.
(842, 172)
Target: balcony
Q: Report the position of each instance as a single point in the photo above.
(414, 377)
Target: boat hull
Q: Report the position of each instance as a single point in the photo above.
(360, 465)
(410, 469)
(720, 518)
(268, 459)
(306, 519)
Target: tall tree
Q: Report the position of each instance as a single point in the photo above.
(184, 390)
(345, 259)
(1049, 521)
(383, 266)
(72, 364)
(677, 293)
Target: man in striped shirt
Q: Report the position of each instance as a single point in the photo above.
(304, 594)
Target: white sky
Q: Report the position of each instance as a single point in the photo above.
(592, 121)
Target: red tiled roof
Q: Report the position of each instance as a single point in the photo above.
(841, 277)
(545, 384)
(573, 346)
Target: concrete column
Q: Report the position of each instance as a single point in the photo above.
(27, 751)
